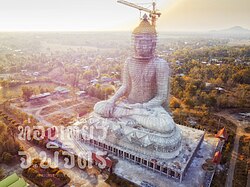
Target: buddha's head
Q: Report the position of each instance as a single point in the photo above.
(144, 37)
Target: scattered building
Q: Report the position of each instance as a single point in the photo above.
(98, 158)
(81, 93)
(39, 96)
(13, 181)
(208, 84)
(181, 75)
(217, 157)
(106, 79)
(36, 73)
(214, 60)
(237, 61)
(222, 134)
(110, 59)
(24, 71)
(179, 63)
(117, 83)
(94, 81)
(61, 90)
(192, 121)
(220, 90)
(85, 67)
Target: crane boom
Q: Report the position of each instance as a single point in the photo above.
(134, 6)
(152, 13)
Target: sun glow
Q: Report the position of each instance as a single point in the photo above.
(108, 15)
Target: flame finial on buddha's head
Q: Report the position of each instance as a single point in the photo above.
(145, 27)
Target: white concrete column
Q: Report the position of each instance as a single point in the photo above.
(181, 176)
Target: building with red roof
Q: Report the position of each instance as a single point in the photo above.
(222, 134)
(217, 157)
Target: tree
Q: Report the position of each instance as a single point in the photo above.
(42, 90)
(48, 183)
(7, 157)
(88, 74)
(1, 173)
(36, 161)
(60, 175)
(174, 103)
(242, 76)
(106, 91)
(32, 172)
(27, 93)
(39, 177)
(5, 83)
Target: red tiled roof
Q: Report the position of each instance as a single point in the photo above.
(53, 133)
(217, 157)
(100, 159)
(222, 134)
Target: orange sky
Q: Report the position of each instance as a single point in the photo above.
(205, 15)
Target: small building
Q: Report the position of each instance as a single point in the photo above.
(61, 90)
(50, 133)
(36, 73)
(237, 61)
(220, 90)
(98, 159)
(208, 87)
(217, 157)
(214, 60)
(181, 75)
(106, 79)
(110, 59)
(81, 93)
(117, 83)
(192, 122)
(39, 96)
(94, 81)
(13, 181)
(178, 62)
(85, 67)
(222, 134)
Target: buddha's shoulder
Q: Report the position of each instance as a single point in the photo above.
(161, 63)
(129, 59)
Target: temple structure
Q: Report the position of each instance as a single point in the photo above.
(136, 125)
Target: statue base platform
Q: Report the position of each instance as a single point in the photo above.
(116, 142)
(126, 135)
(194, 154)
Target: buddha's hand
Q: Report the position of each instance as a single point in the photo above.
(109, 109)
(136, 105)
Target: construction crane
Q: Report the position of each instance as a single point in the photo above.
(154, 14)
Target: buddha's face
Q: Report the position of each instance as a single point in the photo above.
(144, 45)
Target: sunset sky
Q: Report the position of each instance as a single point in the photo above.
(108, 15)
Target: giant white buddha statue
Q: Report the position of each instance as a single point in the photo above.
(145, 85)
(144, 90)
